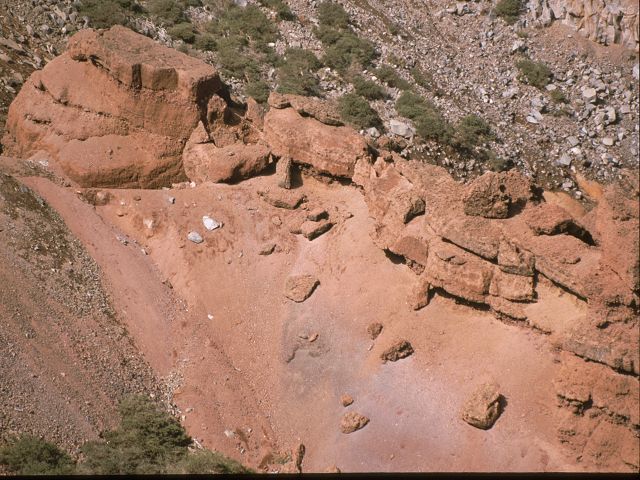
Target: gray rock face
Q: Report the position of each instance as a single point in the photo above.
(606, 22)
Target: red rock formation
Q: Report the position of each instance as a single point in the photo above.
(114, 110)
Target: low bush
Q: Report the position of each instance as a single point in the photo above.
(183, 31)
(248, 24)
(368, 89)
(282, 9)
(333, 15)
(296, 72)
(206, 462)
(205, 42)
(146, 441)
(169, 12)
(429, 122)
(106, 13)
(356, 111)
(470, 131)
(496, 163)
(28, 455)
(534, 73)
(345, 49)
(424, 79)
(258, 90)
(558, 97)
(389, 76)
(509, 10)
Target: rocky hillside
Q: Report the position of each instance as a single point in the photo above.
(492, 86)
(118, 111)
(304, 209)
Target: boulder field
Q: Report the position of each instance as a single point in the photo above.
(117, 110)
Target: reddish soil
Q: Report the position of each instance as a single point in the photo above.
(249, 368)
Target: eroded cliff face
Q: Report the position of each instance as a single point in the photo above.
(603, 21)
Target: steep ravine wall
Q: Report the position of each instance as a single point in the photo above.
(603, 21)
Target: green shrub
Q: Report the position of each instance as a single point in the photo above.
(106, 13)
(296, 72)
(258, 90)
(333, 15)
(368, 89)
(281, 8)
(389, 76)
(495, 163)
(146, 441)
(206, 462)
(248, 24)
(509, 10)
(421, 78)
(356, 110)
(168, 11)
(205, 42)
(183, 31)
(28, 455)
(470, 131)
(534, 73)
(558, 97)
(429, 122)
(235, 60)
(348, 49)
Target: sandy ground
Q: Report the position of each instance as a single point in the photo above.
(239, 351)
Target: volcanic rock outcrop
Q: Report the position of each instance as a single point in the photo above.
(119, 110)
(471, 243)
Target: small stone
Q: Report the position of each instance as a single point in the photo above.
(346, 400)
(300, 287)
(483, 408)
(171, 200)
(210, 224)
(267, 249)
(374, 329)
(564, 160)
(589, 93)
(283, 198)
(195, 237)
(312, 230)
(353, 421)
(317, 214)
(400, 349)
(608, 141)
(283, 172)
(313, 337)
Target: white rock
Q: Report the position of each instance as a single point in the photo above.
(210, 224)
(400, 128)
(195, 237)
(608, 141)
(589, 93)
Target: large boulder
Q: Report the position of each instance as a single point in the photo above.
(326, 149)
(497, 195)
(116, 109)
(204, 161)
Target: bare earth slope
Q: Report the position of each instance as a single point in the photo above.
(253, 299)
